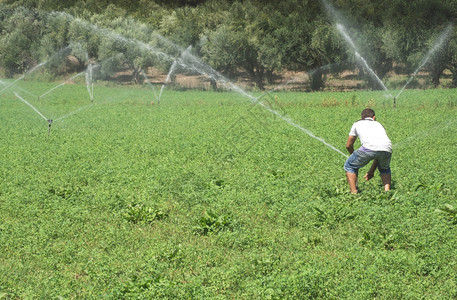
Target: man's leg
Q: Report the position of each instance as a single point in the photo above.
(355, 161)
(386, 178)
(352, 180)
(384, 168)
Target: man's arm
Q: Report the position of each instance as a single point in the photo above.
(350, 143)
(370, 172)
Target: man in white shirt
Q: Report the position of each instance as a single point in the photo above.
(376, 146)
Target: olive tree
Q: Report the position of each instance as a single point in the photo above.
(19, 42)
(236, 44)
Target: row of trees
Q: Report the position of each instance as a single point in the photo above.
(260, 38)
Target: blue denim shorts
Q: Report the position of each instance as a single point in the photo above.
(359, 159)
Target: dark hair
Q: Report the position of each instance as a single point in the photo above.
(367, 113)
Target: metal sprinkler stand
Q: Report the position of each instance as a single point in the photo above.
(49, 128)
(395, 102)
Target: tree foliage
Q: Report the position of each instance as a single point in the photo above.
(252, 37)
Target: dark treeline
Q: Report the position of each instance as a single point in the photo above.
(258, 38)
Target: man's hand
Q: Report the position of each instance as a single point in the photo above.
(368, 176)
(370, 173)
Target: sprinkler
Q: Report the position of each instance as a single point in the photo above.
(395, 102)
(49, 128)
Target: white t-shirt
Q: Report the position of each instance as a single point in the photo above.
(372, 135)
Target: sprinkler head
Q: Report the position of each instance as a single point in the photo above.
(49, 128)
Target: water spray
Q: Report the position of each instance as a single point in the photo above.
(348, 39)
(30, 105)
(192, 63)
(443, 37)
(150, 85)
(36, 67)
(334, 14)
(27, 92)
(73, 112)
(88, 72)
(303, 129)
(36, 110)
(21, 77)
(172, 70)
(49, 120)
(90, 83)
(62, 84)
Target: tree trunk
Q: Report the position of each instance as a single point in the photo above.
(453, 69)
(270, 76)
(436, 74)
(316, 80)
(256, 75)
(136, 76)
(259, 82)
(213, 84)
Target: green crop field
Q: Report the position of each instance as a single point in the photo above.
(208, 196)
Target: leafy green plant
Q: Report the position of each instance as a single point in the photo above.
(378, 239)
(212, 223)
(333, 217)
(448, 212)
(143, 287)
(139, 213)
